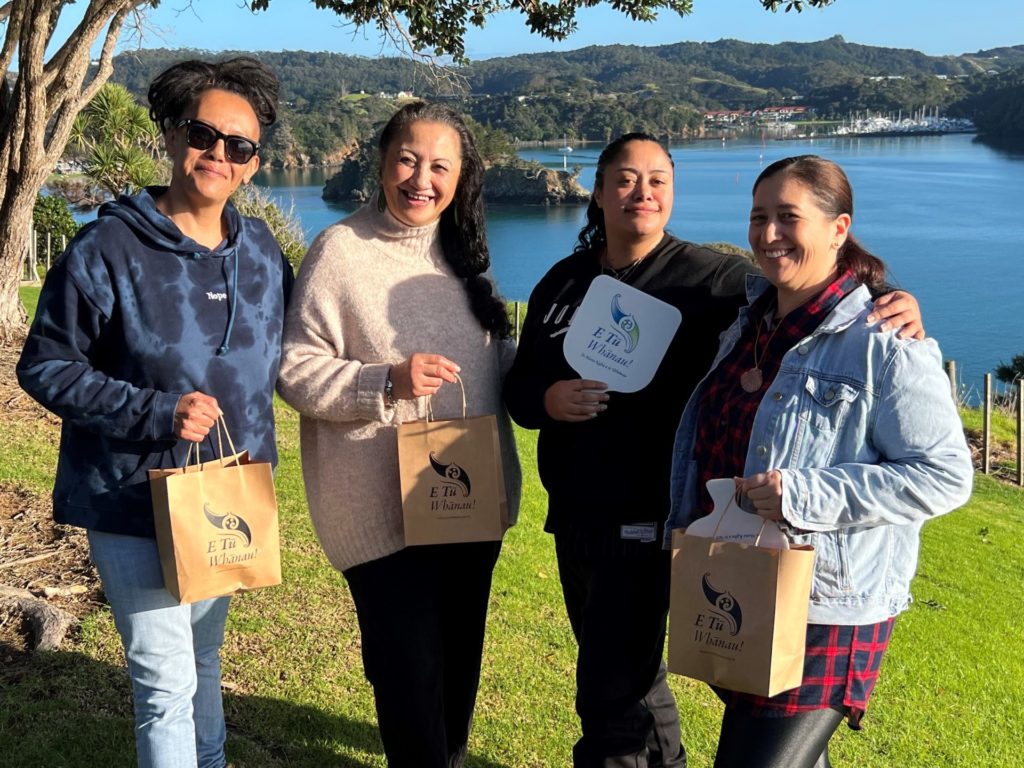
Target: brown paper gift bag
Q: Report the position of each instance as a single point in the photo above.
(453, 489)
(738, 614)
(216, 527)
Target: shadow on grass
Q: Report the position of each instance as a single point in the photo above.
(67, 709)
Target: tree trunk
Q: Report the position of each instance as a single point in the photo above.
(36, 118)
(12, 314)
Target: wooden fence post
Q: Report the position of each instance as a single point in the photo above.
(33, 257)
(986, 441)
(951, 373)
(47, 251)
(1020, 431)
(517, 321)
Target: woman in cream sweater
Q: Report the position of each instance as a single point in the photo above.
(390, 304)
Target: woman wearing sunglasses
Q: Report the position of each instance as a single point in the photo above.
(163, 314)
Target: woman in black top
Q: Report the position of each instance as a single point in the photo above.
(605, 458)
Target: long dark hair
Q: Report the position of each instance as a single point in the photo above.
(831, 189)
(178, 86)
(593, 234)
(462, 229)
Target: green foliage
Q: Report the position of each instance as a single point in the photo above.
(331, 103)
(118, 142)
(997, 106)
(1013, 371)
(877, 94)
(439, 27)
(251, 200)
(51, 215)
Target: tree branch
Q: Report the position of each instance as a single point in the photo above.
(69, 106)
(16, 15)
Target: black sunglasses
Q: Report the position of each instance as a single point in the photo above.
(199, 135)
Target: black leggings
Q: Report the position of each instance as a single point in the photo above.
(800, 741)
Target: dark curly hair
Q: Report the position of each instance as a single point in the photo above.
(593, 234)
(176, 88)
(828, 184)
(462, 229)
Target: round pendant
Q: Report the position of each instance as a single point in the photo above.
(751, 380)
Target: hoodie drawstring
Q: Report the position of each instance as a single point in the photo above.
(232, 300)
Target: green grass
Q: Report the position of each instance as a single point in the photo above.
(949, 693)
(29, 297)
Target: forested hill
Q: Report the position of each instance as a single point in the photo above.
(791, 68)
(680, 69)
(332, 101)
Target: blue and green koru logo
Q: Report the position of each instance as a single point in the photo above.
(229, 523)
(725, 605)
(451, 474)
(625, 324)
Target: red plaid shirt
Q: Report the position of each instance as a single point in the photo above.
(841, 666)
(727, 410)
(841, 663)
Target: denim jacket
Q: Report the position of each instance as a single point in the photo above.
(864, 430)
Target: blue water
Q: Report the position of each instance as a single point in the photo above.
(944, 212)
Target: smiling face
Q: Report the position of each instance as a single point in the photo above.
(794, 241)
(635, 194)
(420, 172)
(206, 176)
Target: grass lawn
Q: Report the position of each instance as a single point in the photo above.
(949, 692)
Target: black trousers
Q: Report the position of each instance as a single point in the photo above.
(421, 615)
(800, 741)
(616, 594)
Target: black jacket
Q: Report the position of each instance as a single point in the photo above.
(614, 469)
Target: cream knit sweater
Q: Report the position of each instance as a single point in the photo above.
(370, 293)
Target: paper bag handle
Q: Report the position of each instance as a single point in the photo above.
(430, 410)
(221, 425)
(735, 499)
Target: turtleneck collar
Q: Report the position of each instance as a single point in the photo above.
(391, 228)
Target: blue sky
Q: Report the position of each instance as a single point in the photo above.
(935, 27)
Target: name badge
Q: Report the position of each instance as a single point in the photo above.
(643, 532)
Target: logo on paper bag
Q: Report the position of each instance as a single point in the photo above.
(624, 325)
(722, 620)
(452, 474)
(452, 495)
(725, 605)
(223, 548)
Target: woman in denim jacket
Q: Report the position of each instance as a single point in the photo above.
(848, 437)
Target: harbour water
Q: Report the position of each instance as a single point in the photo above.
(944, 212)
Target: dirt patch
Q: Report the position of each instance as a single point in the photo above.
(37, 556)
(1002, 456)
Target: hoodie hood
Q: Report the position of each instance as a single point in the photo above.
(154, 229)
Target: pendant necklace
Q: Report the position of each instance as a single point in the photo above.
(626, 271)
(752, 379)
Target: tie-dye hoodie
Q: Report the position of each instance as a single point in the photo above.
(134, 315)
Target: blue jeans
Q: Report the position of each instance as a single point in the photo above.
(173, 654)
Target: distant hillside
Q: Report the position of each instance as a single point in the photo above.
(681, 70)
(331, 102)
